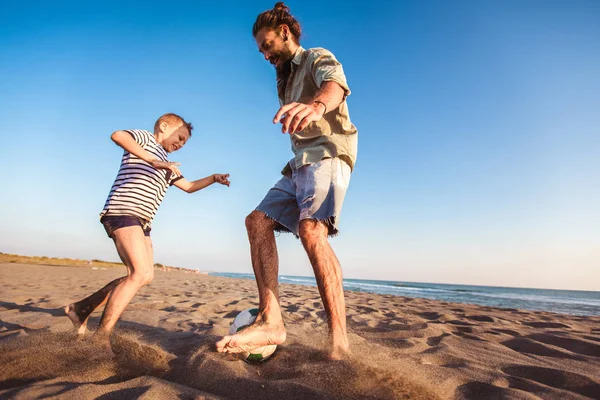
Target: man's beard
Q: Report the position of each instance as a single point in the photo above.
(284, 69)
(284, 56)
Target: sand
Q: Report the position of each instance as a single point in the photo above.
(164, 345)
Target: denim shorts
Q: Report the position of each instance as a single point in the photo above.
(113, 222)
(314, 191)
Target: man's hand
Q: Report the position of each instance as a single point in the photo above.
(171, 166)
(294, 117)
(222, 179)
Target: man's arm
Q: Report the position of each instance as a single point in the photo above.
(298, 115)
(191, 187)
(329, 76)
(124, 140)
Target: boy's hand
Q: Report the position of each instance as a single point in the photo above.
(222, 179)
(171, 166)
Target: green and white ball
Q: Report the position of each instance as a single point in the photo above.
(243, 320)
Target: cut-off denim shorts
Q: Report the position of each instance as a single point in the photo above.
(314, 191)
(113, 222)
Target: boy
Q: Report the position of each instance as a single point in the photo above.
(142, 181)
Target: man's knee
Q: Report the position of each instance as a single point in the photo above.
(312, 231)
(258, 220)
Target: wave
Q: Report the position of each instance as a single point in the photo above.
(542, 299)
(301, 280)
(392, 287)
(556, 301)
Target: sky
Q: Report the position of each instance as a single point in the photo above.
(479, 133)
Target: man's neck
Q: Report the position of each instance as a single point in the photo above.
(293, 48)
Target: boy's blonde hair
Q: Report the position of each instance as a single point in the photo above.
(171, 118)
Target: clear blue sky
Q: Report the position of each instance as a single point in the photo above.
(479, 132)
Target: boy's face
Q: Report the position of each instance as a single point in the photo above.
(174, 136)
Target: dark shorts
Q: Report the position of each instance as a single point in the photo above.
(113, 222)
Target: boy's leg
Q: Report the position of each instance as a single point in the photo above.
(150, 250)
(134, 249)
(79, 312)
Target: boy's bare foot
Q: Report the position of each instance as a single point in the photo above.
(80, 326)
(258, 334)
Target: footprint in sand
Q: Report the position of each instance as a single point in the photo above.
(430, 315)
(594, 338)
(506, 332)
(524, 345)
(436, 340)
(480, 318)
(538, 324)
(393, 342)
(469, 336)
(573, 345)
(292, 308)
(565, 380)
(482, 390)
(464, 329)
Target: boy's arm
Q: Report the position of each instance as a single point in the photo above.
(124, 140)
(191, 187)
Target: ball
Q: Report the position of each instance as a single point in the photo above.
(243, 320)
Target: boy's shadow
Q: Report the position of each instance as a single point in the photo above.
(55, 312)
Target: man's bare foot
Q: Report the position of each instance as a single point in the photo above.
(257, 335)
(80, 326)
(102, 340)
(340, 348)
(340, 353)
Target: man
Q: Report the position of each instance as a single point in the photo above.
(308, 199)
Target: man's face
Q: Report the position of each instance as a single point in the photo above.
(273, 47)
(175, 136)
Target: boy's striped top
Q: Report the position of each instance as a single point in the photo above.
(139, 188)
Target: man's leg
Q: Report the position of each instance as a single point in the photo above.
(135, 251)
(268, 327)
(328, 274)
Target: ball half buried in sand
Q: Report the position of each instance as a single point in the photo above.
(243, 320)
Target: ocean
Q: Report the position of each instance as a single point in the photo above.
(573, 302)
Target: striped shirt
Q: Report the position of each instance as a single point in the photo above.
(139, 188)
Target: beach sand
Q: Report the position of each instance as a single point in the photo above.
(164, 344)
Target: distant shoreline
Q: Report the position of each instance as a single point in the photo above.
(75, 262)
